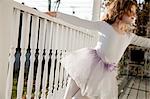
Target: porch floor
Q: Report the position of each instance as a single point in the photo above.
(137, 89)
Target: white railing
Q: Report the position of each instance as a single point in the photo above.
(53, 38)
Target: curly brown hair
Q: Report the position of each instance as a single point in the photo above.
(117, 8)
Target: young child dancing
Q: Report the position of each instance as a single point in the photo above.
(93, 70)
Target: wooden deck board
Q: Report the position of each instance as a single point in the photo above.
(141, 95)
(132, 94)
(124, 97)
(136, 84)
(148, 84)
(148, 95)
(143, 85)
(137, 89)
(131, 83)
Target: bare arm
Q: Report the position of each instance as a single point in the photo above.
(140, 41)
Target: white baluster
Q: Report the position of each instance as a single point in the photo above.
(33, 46)
(14, 35)
(48, 46)
(90, 40)
(87, 40)
(57, 47)
(23, 45)
(65, 39)
(41, 47)
(82, 34)
(78, 37)
(85, 36)
(81, 39)
(63, 47)
(68, 39)
(84, 40)
(59, 88)
(62, 71)
(73, 40)
(67, 51)
(60, 56)
(51, 77)
(61, 39)
(45, 75)
(77, 40)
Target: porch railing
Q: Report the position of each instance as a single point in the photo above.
(37, 44)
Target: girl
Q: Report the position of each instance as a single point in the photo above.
(93, 70)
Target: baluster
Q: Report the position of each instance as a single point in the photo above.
(14, 35)
(51, 76)
(77, 40)
(65, 53)
(53, 61)
(33, 46)
(54, 58)
(60, 77)
(49, 46)
(66, 38)
(45, 75)
(57, 70)
(64, 47)
(70, 39)
(84, 40)
(40, 57)
(73, 40)
(24, 46)
(69, 49)
(60, 56)
(80, 39)
(87, 40)
(60, 82)
(91, 41)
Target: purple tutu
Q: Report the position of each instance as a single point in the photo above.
(93, 75)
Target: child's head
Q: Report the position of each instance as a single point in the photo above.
(122, 10)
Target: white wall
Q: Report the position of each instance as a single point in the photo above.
(5, 29)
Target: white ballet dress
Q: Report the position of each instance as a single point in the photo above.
(94, 69)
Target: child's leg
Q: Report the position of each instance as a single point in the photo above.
(71, 89)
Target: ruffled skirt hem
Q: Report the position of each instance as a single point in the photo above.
(87, 69)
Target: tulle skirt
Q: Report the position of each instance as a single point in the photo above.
(86, 67)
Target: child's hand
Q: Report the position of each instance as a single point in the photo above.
(53, 14)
